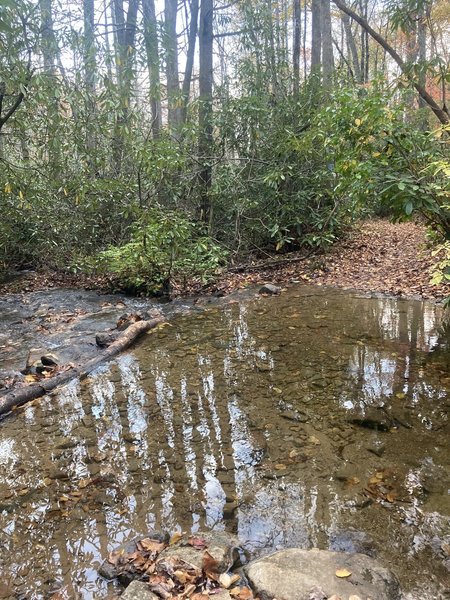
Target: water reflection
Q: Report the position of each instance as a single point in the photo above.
(265, 418)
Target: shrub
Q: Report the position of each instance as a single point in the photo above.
(165, 249)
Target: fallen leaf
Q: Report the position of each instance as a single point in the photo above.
(210, 566)
(226, 580)
(342, 573)
(197, 542)
(114, 557)
(176, 537)
(242, 593)
(83, 483)
(152, 545)
(280, 467)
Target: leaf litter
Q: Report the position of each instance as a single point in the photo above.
(170, 576)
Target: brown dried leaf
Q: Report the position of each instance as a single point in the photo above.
(242, 593)
(152, 545)
(176, 537)
(114, 557)
(210, 566)
(197, 542)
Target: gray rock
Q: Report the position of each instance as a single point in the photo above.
(294, 573)
(50, 360)
(220, 545)
(106, 338)
(138, 590)
(269, 288)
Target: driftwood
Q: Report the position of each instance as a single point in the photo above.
(25, 394)
(269, 264)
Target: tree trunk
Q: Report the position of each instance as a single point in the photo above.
(125, 52)
(316, 36)
(172, 75)
(441, 113)
(48, 42)
(205, 108)
(327, 41)
(192, 38)
(89, 60)
(297, 25)
(89, 57)
(152, 49)
(352, 47)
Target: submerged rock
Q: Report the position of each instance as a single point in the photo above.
(294, 574)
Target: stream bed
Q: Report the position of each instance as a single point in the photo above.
(318, 418)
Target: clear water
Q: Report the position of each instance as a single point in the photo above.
(316, 419)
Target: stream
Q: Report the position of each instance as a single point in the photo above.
(317, 418)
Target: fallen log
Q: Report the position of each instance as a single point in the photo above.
(22, 395)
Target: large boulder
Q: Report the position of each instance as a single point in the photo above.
(296, 574)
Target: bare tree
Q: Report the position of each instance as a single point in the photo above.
(172, 75)
(152, 50)
(327, 41)
(297, 25)
(316, 36)
(351, 43)
(192, 38)
(205, 107)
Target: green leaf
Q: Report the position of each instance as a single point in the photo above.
(409, 207)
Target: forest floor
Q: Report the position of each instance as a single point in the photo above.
(376, 256)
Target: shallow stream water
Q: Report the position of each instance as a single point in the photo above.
(319, 418)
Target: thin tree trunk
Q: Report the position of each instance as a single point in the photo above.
(108, 56)
(305, 29)
(89, 46)
(125, 52)
(172, 75)
(152, 49)
(89, 59)
(327, 41)
(422, 49)
(190, 56)
(205, 107)
(352, 47)
(297, 25)
(48, 43)
(316, 36)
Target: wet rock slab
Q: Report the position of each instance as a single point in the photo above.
(296, 574)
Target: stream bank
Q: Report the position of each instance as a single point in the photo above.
(374, 256)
